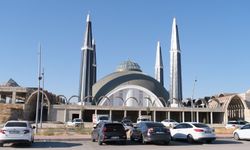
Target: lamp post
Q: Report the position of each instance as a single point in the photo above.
(41, 113)
(38, 93)
(192, 104)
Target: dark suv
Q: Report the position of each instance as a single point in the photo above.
(107, 132)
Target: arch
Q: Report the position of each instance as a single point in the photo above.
(158, 103)
(133, 98)
(73, 96)
(35, 94)
(119, 79)
(64, 97)
(235, 107)
(211, 105)
(86, 98)
(201, 102)
(103, 99)
(163, 100)
(31, 105)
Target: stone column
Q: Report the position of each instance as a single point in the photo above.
(110, 114)
(183, 116)
(211, 118)
(125, 113)
(197, 116)
(154, 115)
(13, 97)
(169, 115)
(65, 114)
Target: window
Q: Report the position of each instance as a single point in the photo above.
(246, 127)
(16, 124)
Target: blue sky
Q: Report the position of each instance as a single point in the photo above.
(214, 39)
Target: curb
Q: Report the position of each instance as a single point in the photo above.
(56, 140)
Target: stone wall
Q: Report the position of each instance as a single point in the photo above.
(11, 112)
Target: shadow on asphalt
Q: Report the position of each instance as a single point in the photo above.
(47, 145)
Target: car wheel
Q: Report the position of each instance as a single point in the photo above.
(29, 143)
(190, 139)
(236, 136)
(209, 141)
(99, 141)
(1, 144)
(166, 142)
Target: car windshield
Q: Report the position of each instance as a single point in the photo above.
(104, 118)
(78, 120)
(200, 125)
(114, 127)
(152, 125)
(232, 122)
(16, 124)
(144, 119)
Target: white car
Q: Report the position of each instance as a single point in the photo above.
(193, 131)
(242, 133)
(169, 123)
(76, 122)
(235, 124)
(16, 132)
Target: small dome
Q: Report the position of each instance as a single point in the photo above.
(128, 66)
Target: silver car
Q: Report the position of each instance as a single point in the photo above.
(16, 132)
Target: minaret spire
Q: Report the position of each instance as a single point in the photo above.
(87, 74)
(159, 65)
(94, 61)
(175, 67)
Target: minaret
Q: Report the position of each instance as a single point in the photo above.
(94, 62)
(175, 68)
(159, 65)
(86, 70)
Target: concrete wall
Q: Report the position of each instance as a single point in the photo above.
(11, 112)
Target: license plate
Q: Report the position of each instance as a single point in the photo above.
(14, 132)
(208, 132)
(115, 137)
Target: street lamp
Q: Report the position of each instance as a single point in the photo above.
(192, 103)
(38, 93)
(41, 112)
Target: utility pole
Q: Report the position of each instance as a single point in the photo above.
(38, 93)
(192, 103)
(41, 113)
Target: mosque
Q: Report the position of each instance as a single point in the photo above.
(128, 92)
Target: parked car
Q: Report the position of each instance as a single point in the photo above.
(242, 133)
(143, 118)
(154, 132)
(169, 123)
(77, 122)
(107, 132)
(193, 131)
(135, 134)
(127, 122)
(235, 123)
(16, 132)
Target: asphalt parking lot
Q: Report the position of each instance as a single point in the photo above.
(222, 143)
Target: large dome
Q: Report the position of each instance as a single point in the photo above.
(128, 66)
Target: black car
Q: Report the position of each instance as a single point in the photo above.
(127, 122)
(107, 132)
(154, 132)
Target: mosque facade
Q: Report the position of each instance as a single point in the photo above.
(128, 92)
